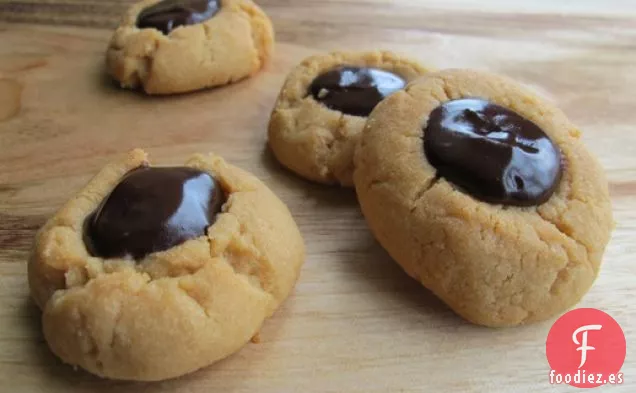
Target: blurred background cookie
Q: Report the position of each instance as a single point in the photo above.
(323, 106)
(484, 193)
(151, 272)
(176, 46)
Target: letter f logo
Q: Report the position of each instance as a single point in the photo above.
(583, 344)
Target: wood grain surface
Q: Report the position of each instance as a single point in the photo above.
(356, 323)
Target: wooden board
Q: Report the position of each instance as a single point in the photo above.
(356, 323)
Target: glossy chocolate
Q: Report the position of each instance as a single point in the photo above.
(167, 15)
(492, 153)
(355, 90)
(153, 209)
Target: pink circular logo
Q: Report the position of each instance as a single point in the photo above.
(586, 348)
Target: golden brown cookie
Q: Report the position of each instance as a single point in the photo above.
(484, 193)
(175, 46)
(152, 272)
(323, 106)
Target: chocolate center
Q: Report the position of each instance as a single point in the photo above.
(167, 15)
(153, 209)
(492, 153)
(354, 90)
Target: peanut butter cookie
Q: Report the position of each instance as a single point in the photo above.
(152, 272)
(484, 193)
(323, 106)
(176, 46)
